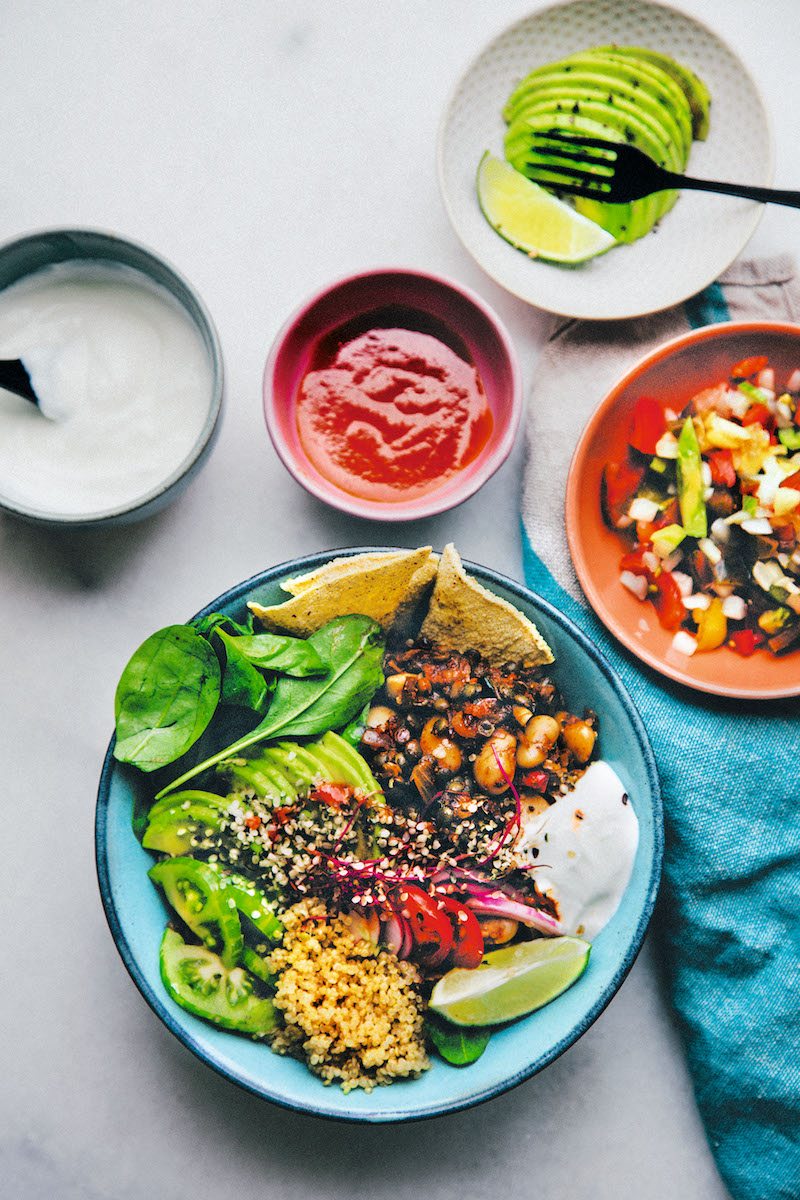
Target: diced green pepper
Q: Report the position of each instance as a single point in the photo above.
(753, 393)
(749, 505)
(790, 438)
(690, 482)
(659, 465)
(667, 539)
(774, 620)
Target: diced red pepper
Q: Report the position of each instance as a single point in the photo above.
(537, 780)
(750, 366)
(648, 425)
(334, 795)
(723, 472)
(621, 481)
(793, 481)
(634, 562)
(758, 414)
(746, 641)
(253, 821)
(668, 601)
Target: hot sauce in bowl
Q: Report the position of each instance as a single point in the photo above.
(393, 394)
(391, 411)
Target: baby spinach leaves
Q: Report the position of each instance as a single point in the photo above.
(352, 647)
(275, 652)
(166, 697)
(459, 1045)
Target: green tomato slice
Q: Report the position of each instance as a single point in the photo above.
(199, 981)
(194, 891)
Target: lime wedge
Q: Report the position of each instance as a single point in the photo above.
(533, 220)
(511, 981)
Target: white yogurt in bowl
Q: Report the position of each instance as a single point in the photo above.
(128, 392)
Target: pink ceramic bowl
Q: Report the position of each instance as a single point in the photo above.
(463, 312)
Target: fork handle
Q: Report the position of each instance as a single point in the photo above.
(765, 195)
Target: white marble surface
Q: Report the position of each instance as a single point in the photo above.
(265, 148)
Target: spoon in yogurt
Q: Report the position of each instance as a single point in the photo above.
(14, 378)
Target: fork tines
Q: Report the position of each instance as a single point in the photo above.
(557, 150)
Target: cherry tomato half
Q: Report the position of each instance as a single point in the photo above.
(620, 483)
(723, 472)
(467, 949)
(668, 601)
(430, 925)
(749, 366)
(648, 425)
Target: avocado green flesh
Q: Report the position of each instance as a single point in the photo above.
(613, 93)
(180, 830)
(696, 92)
(287, 770)
(617, 85)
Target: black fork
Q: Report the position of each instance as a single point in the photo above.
(616, 172)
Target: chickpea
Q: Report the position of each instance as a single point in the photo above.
(533, 803)
(538, 738)
(378, 716)
(495, 766)
(394, 687)
(498, 930)
(522, 714)
(434, 741)
(579, 738)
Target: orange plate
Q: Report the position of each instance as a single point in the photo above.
(672, 374)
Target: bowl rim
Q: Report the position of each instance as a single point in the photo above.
(496, 276)
(582, 561)
(224, 1067)
(203, 323)
(390, 510)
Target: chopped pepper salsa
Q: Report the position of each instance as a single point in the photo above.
(391, 413)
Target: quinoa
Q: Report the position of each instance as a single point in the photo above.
(350, 1008)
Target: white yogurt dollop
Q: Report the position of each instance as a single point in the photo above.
(583, 848)
(123, 375)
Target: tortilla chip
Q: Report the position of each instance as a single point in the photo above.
(415, 605)
(375, 589)
(464, 614)
(337, 567)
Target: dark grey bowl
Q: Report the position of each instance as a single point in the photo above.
(23, 256)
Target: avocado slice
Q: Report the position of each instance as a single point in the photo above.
(696, 92)
(182, 830)
(652, 90)
(690, 482)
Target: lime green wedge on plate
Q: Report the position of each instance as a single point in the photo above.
(511, 981)
(533, 220)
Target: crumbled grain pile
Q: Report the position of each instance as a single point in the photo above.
(350, 1008)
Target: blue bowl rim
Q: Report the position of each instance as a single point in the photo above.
(309, 563)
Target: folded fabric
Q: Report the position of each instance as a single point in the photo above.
(729, 918)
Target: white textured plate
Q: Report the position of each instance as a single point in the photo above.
(694, 242)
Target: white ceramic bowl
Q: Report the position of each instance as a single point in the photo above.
(694, 242)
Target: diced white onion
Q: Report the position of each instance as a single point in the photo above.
(667, 446)
(642, 509)
(684, 582)
(708, 493)
(671, 562)
(671, 415)
(696, 600)
(711, 551)
(757, 525)
(650, 560)
(783, 559)
(766, 378)
(738, 403)
(734, 608)
(634, 583)
(784, 415)
(684, 643)
(720, 531)
(793, 382)
(706, 472)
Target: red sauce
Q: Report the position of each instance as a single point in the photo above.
(390, 413)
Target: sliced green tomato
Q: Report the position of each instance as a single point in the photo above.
(200, 982)
(195, 892)
(257, 965)
(511, 981)
(533, 220)
(252, 904)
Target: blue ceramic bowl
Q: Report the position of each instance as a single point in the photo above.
(137, 915)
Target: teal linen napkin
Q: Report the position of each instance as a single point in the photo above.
(729, 915)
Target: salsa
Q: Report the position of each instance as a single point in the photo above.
(390, 413)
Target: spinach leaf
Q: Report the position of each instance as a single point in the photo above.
(353, 648)
(353, 730)
(165, 698)
(457, 1044)
(215, 620)
(276, 652)
(242, 684)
